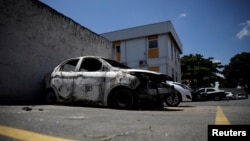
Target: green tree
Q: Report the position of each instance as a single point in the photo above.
(200, 71)
(237, 72)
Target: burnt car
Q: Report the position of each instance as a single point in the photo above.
(104, 82)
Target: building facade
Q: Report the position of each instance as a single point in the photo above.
(154, 47)
(34, 38)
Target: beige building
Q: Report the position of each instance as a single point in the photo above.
(155, 47)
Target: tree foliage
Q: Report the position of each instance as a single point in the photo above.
(200, 71)
(237, 72)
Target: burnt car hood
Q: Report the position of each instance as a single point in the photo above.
(159, 76)
(141, 71)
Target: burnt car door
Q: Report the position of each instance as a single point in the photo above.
(63, 80)
(89, 81)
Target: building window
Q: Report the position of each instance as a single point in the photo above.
(118, 54)
(173, 74)
(176, 79)
(117, 49)
(153, 44)
(153, 51)
(154, 68)
(172, 52)
(178, 56)
(175, 55)
(117, 45)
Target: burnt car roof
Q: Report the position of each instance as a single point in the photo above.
(128, 69)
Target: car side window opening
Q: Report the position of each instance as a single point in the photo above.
(202, 90)
(91, 64)
(70, 65)
(210, 90)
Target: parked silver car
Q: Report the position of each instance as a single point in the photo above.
(183, 94)
(230, 96)
(105, 82)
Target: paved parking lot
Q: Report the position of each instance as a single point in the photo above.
(187, 122)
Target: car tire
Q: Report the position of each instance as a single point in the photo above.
(173, 99)
(217, 98)
(123, 99)
(50, 98)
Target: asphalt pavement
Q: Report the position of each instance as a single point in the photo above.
(187, 122)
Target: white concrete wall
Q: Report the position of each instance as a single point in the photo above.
(171, 64)
(33, 40)
(135, 49)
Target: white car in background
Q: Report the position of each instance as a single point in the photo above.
(183, 94)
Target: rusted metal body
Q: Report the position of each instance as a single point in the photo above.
(99, 80)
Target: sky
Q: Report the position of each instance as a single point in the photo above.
(211, 28)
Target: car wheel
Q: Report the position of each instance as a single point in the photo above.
(198, 97)
(123, 99)
(50, 97)
(216, 98)
(173, 99)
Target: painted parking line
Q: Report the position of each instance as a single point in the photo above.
(220, 118)
(25, 135)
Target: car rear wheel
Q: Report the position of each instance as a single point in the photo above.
(173, 99)
(50, 97)
(217, 98)
(123, 99)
